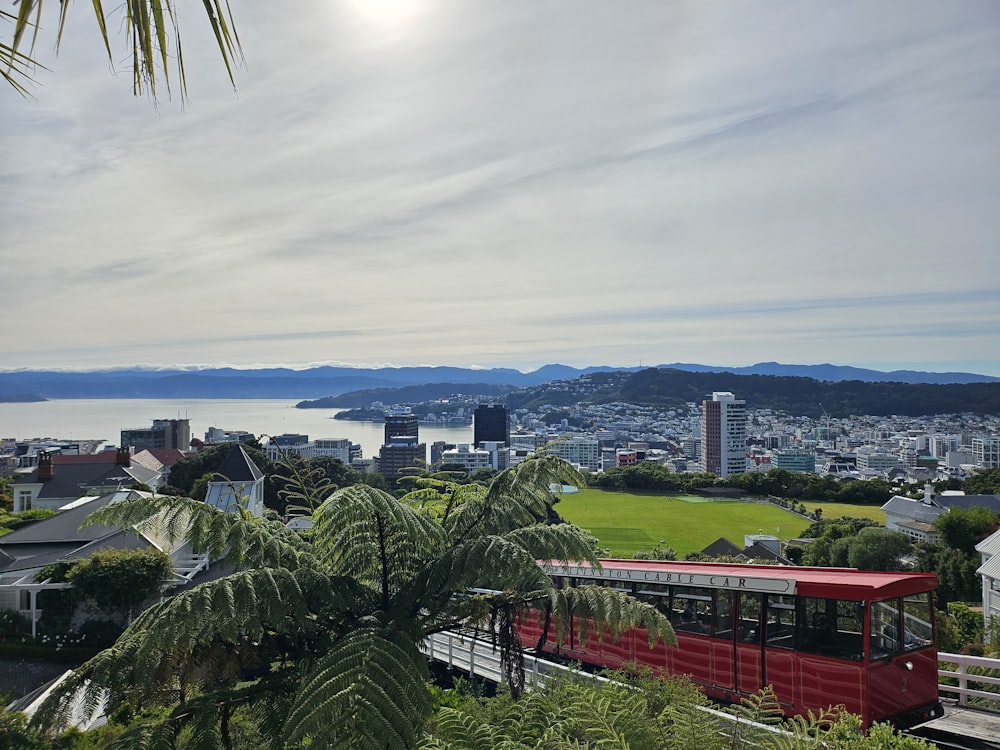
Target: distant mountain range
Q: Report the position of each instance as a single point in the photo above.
(330, 381)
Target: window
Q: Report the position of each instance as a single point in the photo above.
(749, 628)
(656, 594)
(831, 627)
(918, 622)
(691, 610)
(723, 625)
(780, 626)
(884, 633)
(24, 499)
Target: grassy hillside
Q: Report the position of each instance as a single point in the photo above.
(626, 522)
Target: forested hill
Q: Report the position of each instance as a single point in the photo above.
(808, 397)
(406, 395)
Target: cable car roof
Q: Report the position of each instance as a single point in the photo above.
(836, 583)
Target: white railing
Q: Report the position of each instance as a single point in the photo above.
(480, 658)
(970, 684)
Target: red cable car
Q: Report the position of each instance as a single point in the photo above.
(819, 636)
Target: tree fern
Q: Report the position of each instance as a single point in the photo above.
(238, 538)
(457, 729)
(599, 611)
(368, 692)
(316, 638)
(368, 534)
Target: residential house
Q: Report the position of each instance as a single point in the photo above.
(58, 480)
(24, 552)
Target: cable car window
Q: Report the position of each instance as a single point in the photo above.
(656, 594)
(884, 633)
(622, 586)
(831, 627)
(691, 610)
(749, 629)
(780, 626)
(723, 626)
(918, 622)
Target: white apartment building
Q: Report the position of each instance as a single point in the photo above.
(467, 456)
(986, 452)
(339, 448)
(581, 450)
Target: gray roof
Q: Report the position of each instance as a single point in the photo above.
(238, 468)
(70, 480)
(916, 510)
(59, 537)
(968, 501)
(722, 546)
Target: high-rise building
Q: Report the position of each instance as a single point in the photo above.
(490, 422)
(402, 448)
(723, 434)
(400, 423)
(399, 454)
(165, 433)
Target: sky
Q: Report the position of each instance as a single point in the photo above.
(510, 184)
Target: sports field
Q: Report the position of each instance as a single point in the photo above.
(626, 522)
(836, 510)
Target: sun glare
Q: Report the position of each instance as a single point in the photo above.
(388, 15)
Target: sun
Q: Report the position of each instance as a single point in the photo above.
(389, 15)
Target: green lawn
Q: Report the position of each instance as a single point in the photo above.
(836, 510)
(626, 522)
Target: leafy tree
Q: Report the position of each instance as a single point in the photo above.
(151, 28)
(878, 549)
(870, 548)
(836, 527)
(188, 470)
(964, 528)
(335, 471)
(121, 580)
(983, 482)
(317, 638)
(6, 494)
(968, 623)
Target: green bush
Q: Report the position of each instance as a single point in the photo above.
(13, 624)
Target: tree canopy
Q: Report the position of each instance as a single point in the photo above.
(983, 482)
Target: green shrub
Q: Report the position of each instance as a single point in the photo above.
(13, 624)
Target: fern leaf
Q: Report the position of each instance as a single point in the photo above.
(367, 692)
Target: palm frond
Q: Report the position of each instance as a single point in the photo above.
(149, 26)
(367, 692)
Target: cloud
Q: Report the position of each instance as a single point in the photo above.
(517, 184)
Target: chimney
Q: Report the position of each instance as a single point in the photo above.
(123, 457)
(45, 470)
(928, 493)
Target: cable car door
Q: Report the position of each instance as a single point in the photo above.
(749, 651)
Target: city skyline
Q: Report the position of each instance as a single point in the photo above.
(432, 183)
